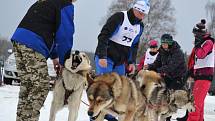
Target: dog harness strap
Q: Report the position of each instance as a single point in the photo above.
(67, 94)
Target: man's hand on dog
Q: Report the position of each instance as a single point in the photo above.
(131, 69)
(57, 66)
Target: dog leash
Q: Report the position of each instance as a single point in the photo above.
(85, 103)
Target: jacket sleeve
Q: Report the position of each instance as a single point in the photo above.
(65, 30)
(202, 52)
(190, 64)
(157, 63)
(107, 31)
(176, 60)
(141, 63)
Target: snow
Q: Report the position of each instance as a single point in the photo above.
(9, 99)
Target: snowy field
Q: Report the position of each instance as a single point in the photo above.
(9, 98)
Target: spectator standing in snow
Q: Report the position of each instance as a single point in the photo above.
(202, 68)
(45, 31)
(118, 41)
(150, 55)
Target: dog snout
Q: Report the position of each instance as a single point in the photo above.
(77, 52)
(90, 113)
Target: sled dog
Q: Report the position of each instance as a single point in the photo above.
(161, 102)
(68, 89)
(116, 95)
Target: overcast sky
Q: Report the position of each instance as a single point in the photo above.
(88, 14)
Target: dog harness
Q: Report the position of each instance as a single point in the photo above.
(67, 94)
(67, 91)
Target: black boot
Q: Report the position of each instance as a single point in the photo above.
(183, 118)
(168, 118)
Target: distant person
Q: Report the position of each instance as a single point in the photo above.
(150, 55)
(45, 31)
(202, 67)
(118, 41)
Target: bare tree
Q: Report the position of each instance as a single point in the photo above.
(160, 20)
(116, 6)
(210, 9)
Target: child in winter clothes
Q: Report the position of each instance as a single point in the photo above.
(202, 66)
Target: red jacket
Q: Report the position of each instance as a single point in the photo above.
(141, 63)
(201, 53)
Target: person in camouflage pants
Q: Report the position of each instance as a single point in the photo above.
(46, 31)
(33, 73)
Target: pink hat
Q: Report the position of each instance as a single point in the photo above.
(153, 43)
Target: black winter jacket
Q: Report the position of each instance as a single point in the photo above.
(171, 63)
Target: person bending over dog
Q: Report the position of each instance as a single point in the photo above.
(118, 39)
(170, 63)
(47, 23)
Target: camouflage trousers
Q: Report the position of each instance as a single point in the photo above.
(33, 73)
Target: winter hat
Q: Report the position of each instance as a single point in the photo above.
(153, 44)
(200, 28)
(142, 6)
(167, 38)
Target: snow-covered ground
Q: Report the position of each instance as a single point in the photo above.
(9, 98)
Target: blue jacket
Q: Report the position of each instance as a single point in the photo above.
(47, 28)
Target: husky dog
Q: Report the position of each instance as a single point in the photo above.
(161, 102)
(116, 95)
(68, 89)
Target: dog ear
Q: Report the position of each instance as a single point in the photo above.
(117, 84)
(140, 78)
